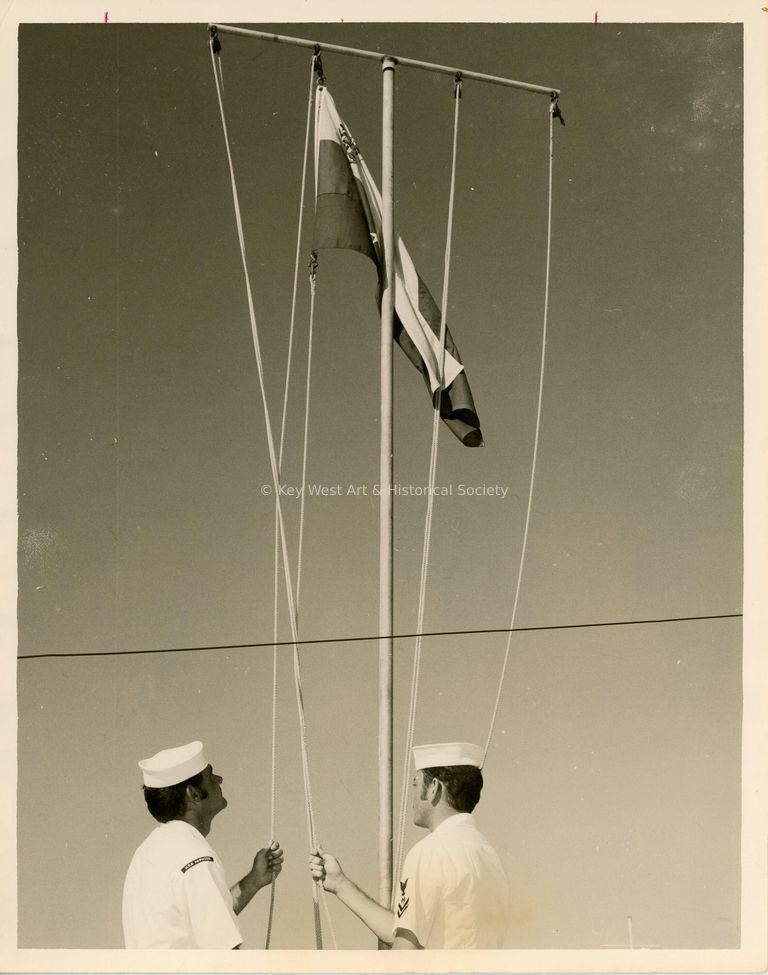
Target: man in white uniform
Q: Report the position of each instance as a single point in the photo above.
(175, 894)
(452, 892)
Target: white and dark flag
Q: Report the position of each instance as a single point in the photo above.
(348, 216)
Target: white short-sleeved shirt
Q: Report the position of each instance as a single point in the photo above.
(175, 893)
(453, 890)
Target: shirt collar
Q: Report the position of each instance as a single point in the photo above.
(457, 820)
(181, 825)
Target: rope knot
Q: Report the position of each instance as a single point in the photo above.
(457, 85)
(215, 42)
(555, 109)
(318, 65)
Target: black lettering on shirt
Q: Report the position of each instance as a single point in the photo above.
(193, 862)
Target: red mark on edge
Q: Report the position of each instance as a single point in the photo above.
(595, 16)
(106, 16)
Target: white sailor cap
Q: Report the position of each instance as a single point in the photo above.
(173, 765)
(447, 754)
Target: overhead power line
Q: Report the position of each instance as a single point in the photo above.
(368, 639)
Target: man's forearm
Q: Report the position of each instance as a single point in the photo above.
(370, 912)
(242, 893)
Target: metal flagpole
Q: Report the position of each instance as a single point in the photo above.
(386, 520)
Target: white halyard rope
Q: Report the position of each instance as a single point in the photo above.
(276, 580)
(428, 518)
(535, 446)
(276, 486)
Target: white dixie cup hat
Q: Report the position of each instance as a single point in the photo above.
(447, 754)
(173, 765)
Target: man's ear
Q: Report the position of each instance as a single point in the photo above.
(194, 794)
(435, 791)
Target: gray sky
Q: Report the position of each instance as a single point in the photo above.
(613, 783)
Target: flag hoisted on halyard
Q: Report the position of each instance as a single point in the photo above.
(348, 216)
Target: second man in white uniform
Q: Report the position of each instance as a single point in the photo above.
(452, 892)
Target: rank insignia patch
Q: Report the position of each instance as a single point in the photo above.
(402, 907)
